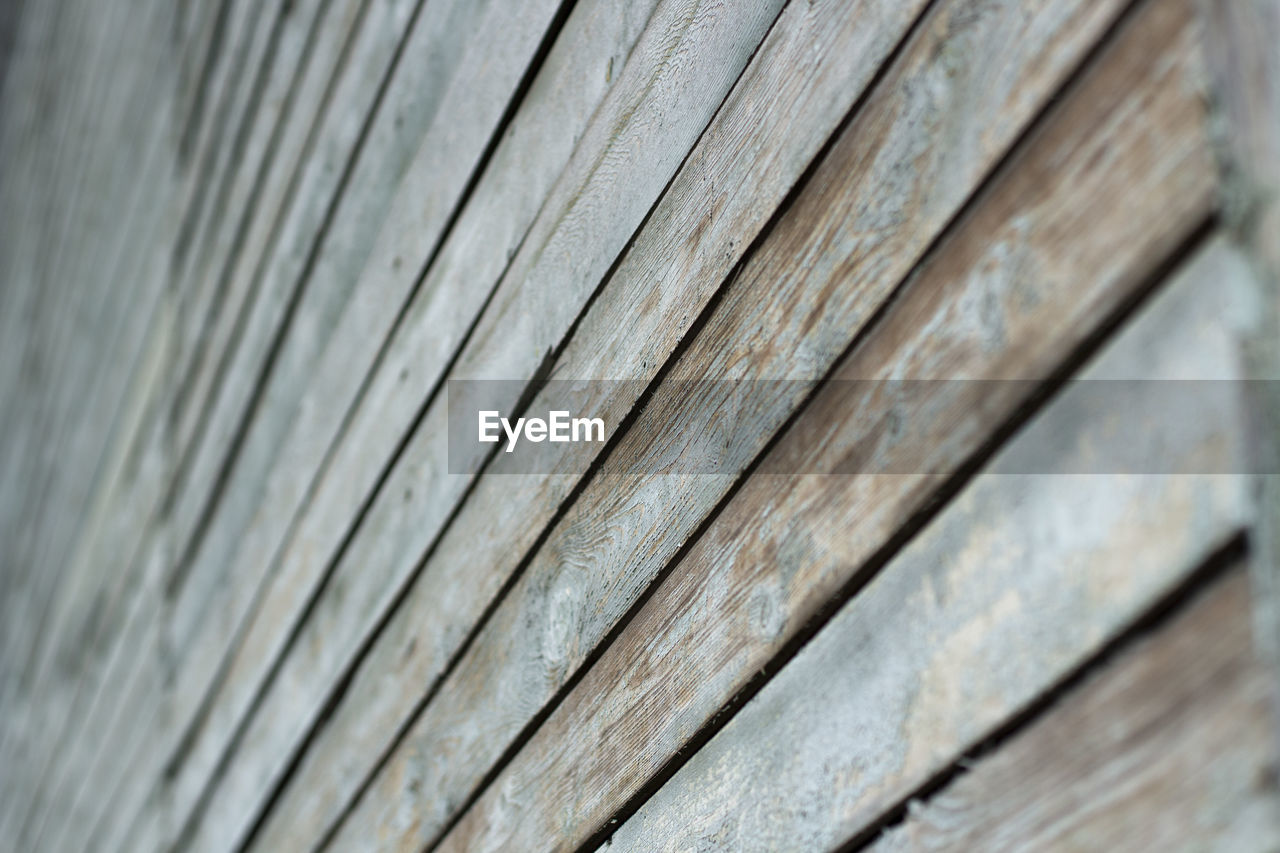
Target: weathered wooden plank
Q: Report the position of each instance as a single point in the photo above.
(1168, 747)
(317, 92)
(223, 389)
(224, 231)
(1016, 584)
(248, 25)
(562, 98)
(66, 383)
(309, 98)
(314, 95)
(121, 257)
(622, 142)
(930, 332)
(433, 105)
(1245, 72)
(239, 115)
(745, 139)
(423, 98)
(593, 566)
(94, 165)
(126, 259)
(114, 568)
(145, 510)
(78, 608)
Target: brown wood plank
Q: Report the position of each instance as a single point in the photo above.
(620, 533)
(1169, 747)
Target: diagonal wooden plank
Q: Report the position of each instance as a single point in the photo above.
(550, 119)
(1168, 746)
(132, 573)
(659, 83)
(422, 109)
(1240, 41)
(1009, 590)
(1033, 247)
(796, 304)
(132, 140)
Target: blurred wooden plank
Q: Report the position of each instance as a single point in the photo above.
(110, 257)
(221, 393)
(127, 571)
(1017, 583)
(1244, 63)
(447, 97)
(1169, 746)
(677, 76)
(96, 600)
(280, 104)
(127, 566)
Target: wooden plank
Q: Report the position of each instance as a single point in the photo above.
(77, 608)
(741, 133)
(312, 93)
(239, 115)
(225, 229)
(621, 144)
(247, 27)
(592, 568)
(425, 108)
(561, 101)
(1240, 40)
(141, 120)
(1170, 747)
(928, 330)
(1010, 589)
(74, 441)
(95, 189)
(316, 93)
(122, 334)
(87, 648)
(222, 390)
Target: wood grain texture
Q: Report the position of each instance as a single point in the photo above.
(622, 530)
(142, 516)
(563, 97)
(745, 139)
(1011, 588)
(659, 82)
(1168, 746)
(1026, 250)
(433, 105)
(1240, 41)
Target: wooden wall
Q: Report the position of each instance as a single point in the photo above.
(247, 604)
